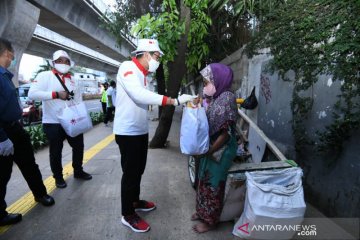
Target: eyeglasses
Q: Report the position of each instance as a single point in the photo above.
(157, 56)
(62, 61)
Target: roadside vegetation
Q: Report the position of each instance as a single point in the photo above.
(315, 38)
(38, 137)
(186, 30)
(309, 37)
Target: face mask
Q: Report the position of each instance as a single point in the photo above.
(209, 90)
(63, 68)
(153, 65)
(13, 63)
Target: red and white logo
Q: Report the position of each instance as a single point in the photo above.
(128, 73)
(244, 228)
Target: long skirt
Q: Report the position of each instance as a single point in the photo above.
(212, 180)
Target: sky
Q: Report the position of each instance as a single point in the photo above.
(29, 64)
(109, 2)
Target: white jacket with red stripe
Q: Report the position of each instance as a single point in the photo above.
(43, 89)
(132, 100)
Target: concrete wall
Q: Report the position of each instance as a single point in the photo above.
(246, 74)
(18, 22)
(334, 189)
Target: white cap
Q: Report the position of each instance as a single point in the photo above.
(61, 53)
(148, 45)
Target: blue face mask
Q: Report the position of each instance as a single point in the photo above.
(13, 63)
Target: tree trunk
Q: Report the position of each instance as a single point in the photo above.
(177, 70)
(160, 78)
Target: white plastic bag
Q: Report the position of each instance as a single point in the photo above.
(194, 132)
(274, 205)
(75, 119)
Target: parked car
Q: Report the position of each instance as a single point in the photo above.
(31, 109)
(23, 93)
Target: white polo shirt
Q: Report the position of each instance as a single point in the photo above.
(132, 100)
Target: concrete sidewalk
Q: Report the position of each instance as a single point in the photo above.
(92, 209)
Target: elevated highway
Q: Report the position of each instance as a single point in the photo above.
(44, 42)
(77, 20)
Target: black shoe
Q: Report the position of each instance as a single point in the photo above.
(11, 218)
(60, 183)
(45, 200)
(82, 175)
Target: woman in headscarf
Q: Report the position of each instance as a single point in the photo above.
(214, 165)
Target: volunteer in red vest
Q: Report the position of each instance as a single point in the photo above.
(131, 127)
(48, 88)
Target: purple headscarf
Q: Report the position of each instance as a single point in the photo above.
(220, 75)
(222, 110)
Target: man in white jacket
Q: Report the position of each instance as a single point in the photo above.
(48, 88)
(131, 127)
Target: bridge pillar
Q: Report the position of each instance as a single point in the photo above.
(18, 22)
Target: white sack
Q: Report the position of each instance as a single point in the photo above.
(274, 198)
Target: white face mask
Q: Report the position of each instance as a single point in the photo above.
(153, 65)
(63, 68)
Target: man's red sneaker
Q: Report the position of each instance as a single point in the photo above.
(144, 206)
(135, 223)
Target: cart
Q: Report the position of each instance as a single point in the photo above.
(264, 155)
